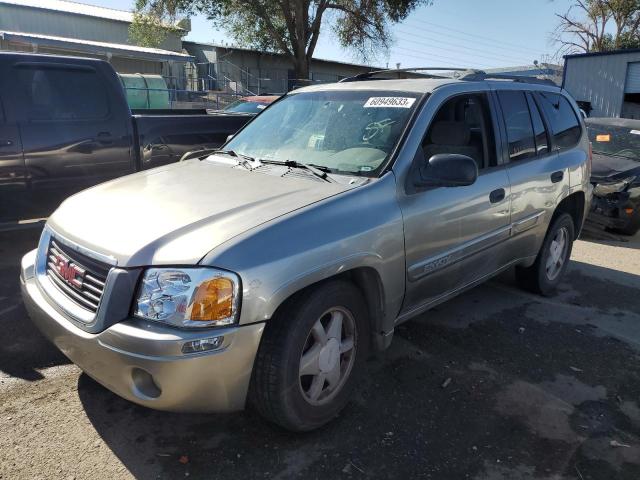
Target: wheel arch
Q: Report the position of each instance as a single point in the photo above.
(574, 205)
(369, 282)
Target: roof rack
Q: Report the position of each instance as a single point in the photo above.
(479, 75)
(372, 74)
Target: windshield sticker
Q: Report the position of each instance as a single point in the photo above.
(389, 102)
(635, 132)
(604, 138)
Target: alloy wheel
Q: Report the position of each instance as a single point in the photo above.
(328, 356)
(557, 253)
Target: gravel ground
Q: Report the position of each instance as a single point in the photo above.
(536, 388)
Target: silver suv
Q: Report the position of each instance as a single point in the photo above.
(267, 272)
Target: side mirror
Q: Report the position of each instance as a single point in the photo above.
(229, 137)
(448, 170)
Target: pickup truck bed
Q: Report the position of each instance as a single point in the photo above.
(65, 126)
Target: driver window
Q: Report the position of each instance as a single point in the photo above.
(463, 126)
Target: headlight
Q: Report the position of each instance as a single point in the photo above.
(189, 297)
(604, 189)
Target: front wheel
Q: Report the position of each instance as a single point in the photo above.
(310, 356)
(545, 274)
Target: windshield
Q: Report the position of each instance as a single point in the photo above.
(612, 140)
(344, 131)
(245, 106)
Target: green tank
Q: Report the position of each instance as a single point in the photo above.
(145, 91)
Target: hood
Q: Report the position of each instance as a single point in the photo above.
(609, 168)
(178, 213)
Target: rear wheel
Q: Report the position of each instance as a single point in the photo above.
(310, 356)
(546, 273)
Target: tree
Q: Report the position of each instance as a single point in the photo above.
(152, 23)
(292, 27)
(598, 25)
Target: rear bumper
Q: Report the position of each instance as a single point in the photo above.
(143, 361)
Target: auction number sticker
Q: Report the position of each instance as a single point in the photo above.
(389, 102)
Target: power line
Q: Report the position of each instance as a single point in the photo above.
(463, 52)
(466, 48)
(462, 32)
(427, 56)
(487, 42)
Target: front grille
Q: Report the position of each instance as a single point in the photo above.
(79, 277)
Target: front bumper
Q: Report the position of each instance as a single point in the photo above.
(611, 211)
(143, 361)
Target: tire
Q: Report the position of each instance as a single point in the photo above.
(305, 402)
(540, 279)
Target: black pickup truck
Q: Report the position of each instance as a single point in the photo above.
(65, 125)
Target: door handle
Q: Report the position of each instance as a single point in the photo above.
(497, 195)
(5, 143)
(557, 176)
(105, 137)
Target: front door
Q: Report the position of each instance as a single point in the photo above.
(452, 233)
(74, 126)
(13, 178)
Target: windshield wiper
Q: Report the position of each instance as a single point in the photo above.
(319, 171)
(244, 160)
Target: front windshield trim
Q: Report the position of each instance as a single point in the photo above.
(389, 160)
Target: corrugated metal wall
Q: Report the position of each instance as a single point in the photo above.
(599, 79)
(15, 18)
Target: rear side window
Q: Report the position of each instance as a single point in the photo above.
(518, 123)
(50, 93)
(563, 121)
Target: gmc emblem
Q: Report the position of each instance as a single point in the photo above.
(69, 272)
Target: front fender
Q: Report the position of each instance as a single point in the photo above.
(359, 228)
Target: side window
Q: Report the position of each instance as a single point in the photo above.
(518, 123)
(60, 93)
(539, 130)
(563, 121)
(463, 125)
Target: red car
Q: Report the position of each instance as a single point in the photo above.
(253, 104)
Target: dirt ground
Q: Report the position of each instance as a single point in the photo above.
(497, 384)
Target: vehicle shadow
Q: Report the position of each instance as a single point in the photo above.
(496, 374)
(23, 349)
(602, 237)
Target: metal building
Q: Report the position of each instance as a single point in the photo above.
(605, 84)
(246, 71)
(70, 28)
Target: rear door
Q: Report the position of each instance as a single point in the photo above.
(538, 180)
(75, 127)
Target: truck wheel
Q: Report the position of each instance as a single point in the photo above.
(310, 357)
(545, 274)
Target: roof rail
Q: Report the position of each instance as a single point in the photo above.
(480, 75)
(372, 74)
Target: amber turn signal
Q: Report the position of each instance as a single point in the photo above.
(212, 300)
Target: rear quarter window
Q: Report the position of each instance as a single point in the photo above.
(564, 124)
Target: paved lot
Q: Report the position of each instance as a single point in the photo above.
(539, 389)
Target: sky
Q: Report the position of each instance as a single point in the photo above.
(451, 33)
